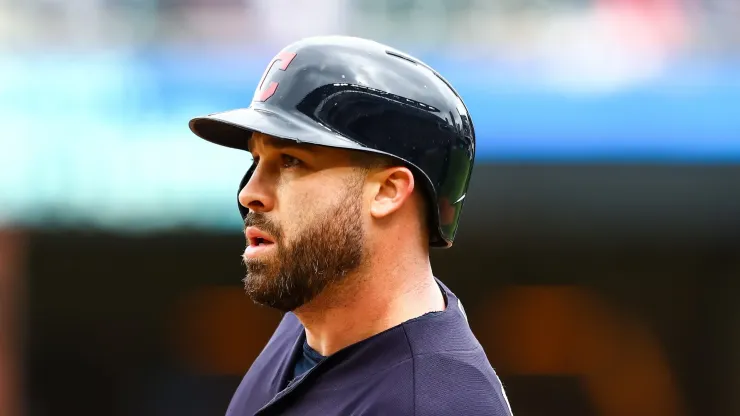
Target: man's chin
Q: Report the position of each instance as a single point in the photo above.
(261, 288)
(281, 304)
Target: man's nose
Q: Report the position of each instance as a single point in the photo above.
(256, 194)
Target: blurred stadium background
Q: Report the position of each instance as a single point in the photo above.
(599, 252)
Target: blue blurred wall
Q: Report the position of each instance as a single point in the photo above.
(102, 139)
(690, 114)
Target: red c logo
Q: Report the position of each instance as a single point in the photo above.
(285, 58)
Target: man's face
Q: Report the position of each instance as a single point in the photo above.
(304, 228)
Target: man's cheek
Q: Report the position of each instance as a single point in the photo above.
(306, 207)
(296, 218)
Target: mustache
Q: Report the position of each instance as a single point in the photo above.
(254, 219)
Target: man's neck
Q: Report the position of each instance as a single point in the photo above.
(368, 303)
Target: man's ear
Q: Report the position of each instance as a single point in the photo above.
(395, 186)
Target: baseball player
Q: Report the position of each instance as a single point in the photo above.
(362, 157)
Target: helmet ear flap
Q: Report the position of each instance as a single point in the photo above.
(242, 209)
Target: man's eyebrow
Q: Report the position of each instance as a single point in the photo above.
(286, 144)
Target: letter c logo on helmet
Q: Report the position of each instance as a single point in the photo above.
(263, 94)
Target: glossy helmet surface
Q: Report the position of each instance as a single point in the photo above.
(354, 93)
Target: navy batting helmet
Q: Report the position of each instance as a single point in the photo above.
(358, 94)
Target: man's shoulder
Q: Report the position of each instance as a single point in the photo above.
(444, 383)
(452, 374)
(458, 382)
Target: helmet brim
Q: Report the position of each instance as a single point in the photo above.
(234, 128)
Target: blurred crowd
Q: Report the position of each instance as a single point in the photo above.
(505, 27)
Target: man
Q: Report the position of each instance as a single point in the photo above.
(362, 158)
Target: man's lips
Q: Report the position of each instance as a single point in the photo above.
(259, 242)
(256, 237)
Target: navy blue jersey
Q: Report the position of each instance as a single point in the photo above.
(430, 365)
(307, 360)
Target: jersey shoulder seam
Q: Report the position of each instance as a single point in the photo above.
(442, 352)
(413, 369)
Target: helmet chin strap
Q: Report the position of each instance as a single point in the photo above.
(242, 209)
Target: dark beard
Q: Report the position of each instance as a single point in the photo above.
(322, 255)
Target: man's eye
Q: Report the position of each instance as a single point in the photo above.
(290, 161)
